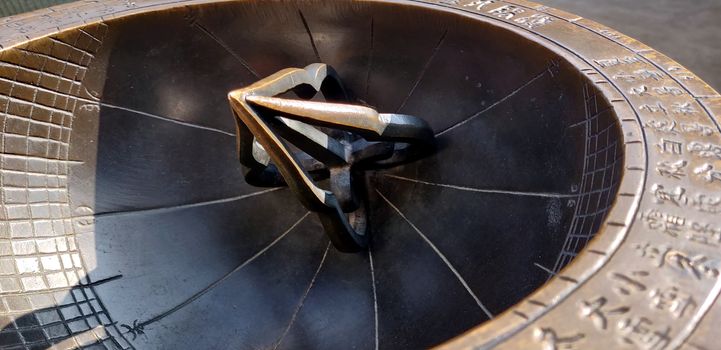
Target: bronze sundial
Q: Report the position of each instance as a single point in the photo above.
(392, 174)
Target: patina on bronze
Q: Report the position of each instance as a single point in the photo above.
(340, 210)
(572, 201)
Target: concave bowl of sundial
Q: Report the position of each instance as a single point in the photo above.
(572, 202)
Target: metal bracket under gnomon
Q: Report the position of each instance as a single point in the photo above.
(330, 139)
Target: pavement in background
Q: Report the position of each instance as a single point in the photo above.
(688, 31)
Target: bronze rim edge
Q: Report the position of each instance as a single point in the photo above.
(556, 305)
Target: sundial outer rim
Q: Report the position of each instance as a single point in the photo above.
(623, 226)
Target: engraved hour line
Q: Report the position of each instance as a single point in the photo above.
(224, 278)
(310, 36)
(440, 255)
(547, 270)
(424, 70)
(227, 48)
(167, 119)
(302, 299)
(184, 206)
(375, 295)
(478, 114)
(480, 190)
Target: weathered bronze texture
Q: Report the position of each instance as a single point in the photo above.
(572, 201)
(263, 119)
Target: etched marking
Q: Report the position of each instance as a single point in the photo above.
(139, 327)
(616, 61)
(310, 36)
(708, 173)
(477, 114)
(704, 150)
(534, 21)
(595, 310)
(440, 255)
(375, 298)
(698, 265)
(479, 5)
(674, 170)
(673, 301)
(470, 189)
(506, 11)
(550, 340)
(186, 206)
(227, 48)
(423, 71)
(626, 285)
(167, 119)
(302, 299)
(668, 146)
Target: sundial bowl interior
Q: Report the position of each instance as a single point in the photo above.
(571, 200)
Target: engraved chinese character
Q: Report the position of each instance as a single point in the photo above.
(638, 331)
(707, 204)
(479, 4)
(662, 126)
(649, 74)
(657, 255)
(672, 300)
(671, 225)
(699, 266)
(507, 11)
(668, 90)
(610, 62)
(704, 234)
(640, 91)
(697, 128)
(684, 108)
(595, 311)
(534, 21)
(629, 78)
(681, 73)
(629, 284)
(657, 108)
(675, 197)
(708, 173)
(610, 34)
(705, 150)
(550, 340)
(670, 146)
(673, 170)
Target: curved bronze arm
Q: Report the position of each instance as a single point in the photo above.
(265, 123)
